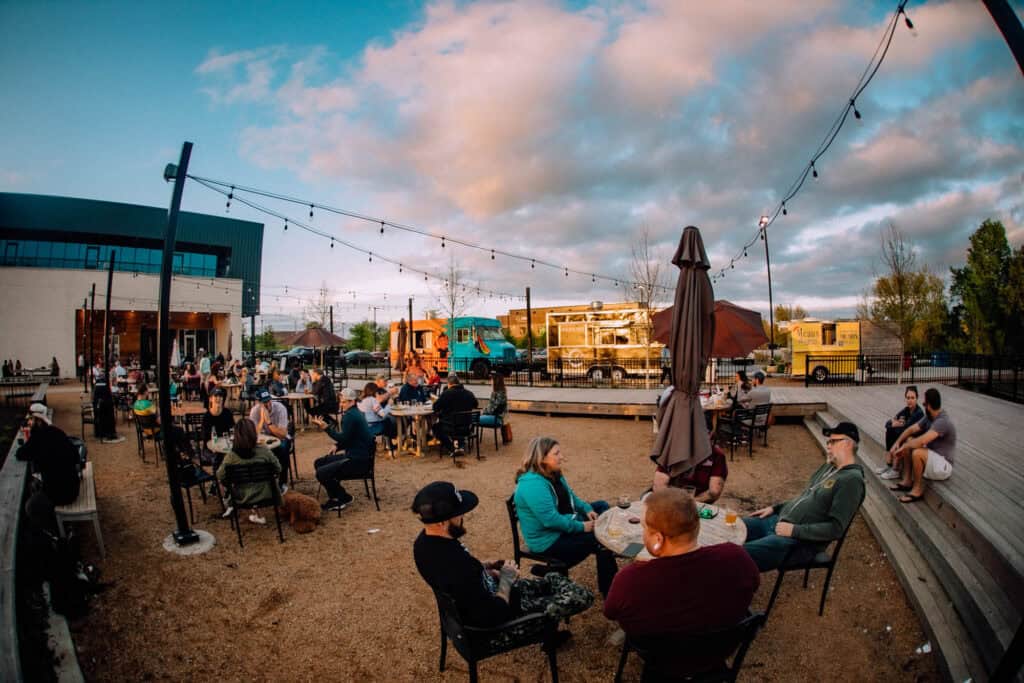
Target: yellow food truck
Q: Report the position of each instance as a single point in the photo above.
(838, 340)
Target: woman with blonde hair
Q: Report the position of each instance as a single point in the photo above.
(554, 520)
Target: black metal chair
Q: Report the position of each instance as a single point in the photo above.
(193, 423)
(476, 644)
(369, 478)
(664, 657)
(293, 469)
(191, 473)
(88, 416)
(821, 560)
(736, 430)
(254, 473)
(520, 551)
(762, 420)
(148, 429)
(461, 428)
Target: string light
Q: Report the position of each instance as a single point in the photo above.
(442, 242)
(814, 170)
(310, 212)
(227, 206)
(856, 112)
(382, 227)
(286, 225)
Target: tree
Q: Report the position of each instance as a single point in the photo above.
(650, 271)
(982, 289)
(906, 296)
(784, 313)
(318, 309)
(360, 336)
(456, 295)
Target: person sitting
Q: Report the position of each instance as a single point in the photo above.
(357, 442)
(144, 407)
(759, 395)
(909, 415)
(119, 371)
(271, 418)
(378, 417)
(193, 381)
(929, 445)
(55, 459)
(248, 385)
(276, 387)
(455, 399)
(411, 391)
(434, 377)
(707, 478)
(326, 406)
(819, 515)
(245, 450)
(554, 520)
(415, 366)
(304, 385)
(485, 593)
(740, 392)
(496, 412)
(711, 586)
(218, 421)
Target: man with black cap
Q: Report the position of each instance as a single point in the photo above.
(819, 515)
(55, 459)
(486, 593)
(357, 442)
(456, 399)
(271, 418)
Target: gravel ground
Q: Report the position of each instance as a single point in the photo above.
(344, 604)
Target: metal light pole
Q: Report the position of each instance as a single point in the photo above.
(374, 308)
(763, 223)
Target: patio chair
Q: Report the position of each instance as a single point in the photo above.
(737, 430)
(254, 473)
(462, 429)
(88, 416)
(762, 420)
(191, 474)
(663, 655)
(496, 428)
(193, 423)
(520, 551)
(476, 644)
(144, 424)
(821, 560)
(293, 468)
(368, 477)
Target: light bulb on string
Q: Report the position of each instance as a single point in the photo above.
(371, 257)
(784, 212)
(231, 194)
(286, 225)
(399, 267)
(382, 227)
(310, 212)
(906, 19)
(567, 272)
(442, 241)
(332, 243)
(856, 112)
(492, 254)
(814, 171)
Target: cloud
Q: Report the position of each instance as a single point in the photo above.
(241, 76)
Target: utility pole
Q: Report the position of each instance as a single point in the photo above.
(332, 321)
(411, 337)
(106, 315)
(763, 223)
(529, 338)
(183, 535)
(375, 325)
(92, 322)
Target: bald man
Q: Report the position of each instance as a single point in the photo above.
(686, 588)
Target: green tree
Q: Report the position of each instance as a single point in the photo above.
(982, 290)
(361, 336)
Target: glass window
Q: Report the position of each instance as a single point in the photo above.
(154, 257)
(28, 249)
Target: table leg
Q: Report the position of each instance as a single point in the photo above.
(421, 431)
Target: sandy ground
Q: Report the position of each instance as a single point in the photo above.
(343, 604)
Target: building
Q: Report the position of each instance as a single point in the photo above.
(53, 250)
(515, 322)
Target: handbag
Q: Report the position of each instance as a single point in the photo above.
(506, 433)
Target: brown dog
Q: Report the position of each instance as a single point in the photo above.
(302, 511)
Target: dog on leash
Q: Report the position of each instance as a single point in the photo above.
(302, 511)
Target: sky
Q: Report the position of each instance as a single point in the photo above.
(559, 131)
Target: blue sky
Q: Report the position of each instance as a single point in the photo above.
(555, 130)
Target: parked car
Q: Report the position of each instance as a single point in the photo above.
(381, 356)
(359, 357)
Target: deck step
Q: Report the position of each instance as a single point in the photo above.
(965, 610)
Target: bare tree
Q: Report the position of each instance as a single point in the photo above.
(454, 295)
(650, 270)
(318, 309)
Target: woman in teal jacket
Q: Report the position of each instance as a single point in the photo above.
(554, 520)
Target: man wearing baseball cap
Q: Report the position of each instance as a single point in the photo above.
(358, 444)
(271, 418)
(486, 593)
(819, 515)
(55, 459)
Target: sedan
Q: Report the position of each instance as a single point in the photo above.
(359, 358)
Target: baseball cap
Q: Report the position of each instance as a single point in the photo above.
(349, 394)
(39, 410)
(439, 501)
(263, 396)
(844, 429)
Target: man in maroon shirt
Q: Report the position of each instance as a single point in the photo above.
(707, 478)
(686, 588)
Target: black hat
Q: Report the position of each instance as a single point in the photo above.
(844, 429)
(439, 501)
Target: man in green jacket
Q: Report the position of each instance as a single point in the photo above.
(820, 514)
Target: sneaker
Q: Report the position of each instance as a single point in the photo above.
(458, 453)
(890, 474)
(284, 489)
(337, 505)
(883, 469)
(256, 519)
(227, 513)
(329, 504)
(117, 439)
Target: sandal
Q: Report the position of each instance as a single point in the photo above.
(900, 487)
(910, 498)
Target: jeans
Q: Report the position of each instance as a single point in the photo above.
(490, 420)
(893, 433)
(283, 452)
(768, 550)
(330, 469)
(574, 548)
(386, 427)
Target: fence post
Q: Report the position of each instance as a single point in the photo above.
(807, 371)
(988, 380)
(561, 376)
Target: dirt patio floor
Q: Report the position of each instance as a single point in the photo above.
(344, 604)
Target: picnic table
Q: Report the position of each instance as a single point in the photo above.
(417, 414)
(615, 532)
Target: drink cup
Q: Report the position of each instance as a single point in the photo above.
(691, 490)
(730, 517)
(623, 502)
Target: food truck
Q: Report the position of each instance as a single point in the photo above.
(837, 340)
(603, 344)
(475, 345)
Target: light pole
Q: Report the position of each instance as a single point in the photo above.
(763, 224)
(375, 308)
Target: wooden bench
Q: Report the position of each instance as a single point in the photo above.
(83, 508)
(40, 394)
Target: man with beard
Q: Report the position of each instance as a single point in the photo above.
(485, 593)
(55, 459)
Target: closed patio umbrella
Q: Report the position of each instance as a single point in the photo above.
(400, 359)
(682, 439)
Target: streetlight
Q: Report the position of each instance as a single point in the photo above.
(763, 224)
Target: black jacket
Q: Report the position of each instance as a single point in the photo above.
(456, 399)
(323, 390)
(55, 459)
(355, 437)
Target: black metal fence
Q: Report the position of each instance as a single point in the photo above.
(1000, 376)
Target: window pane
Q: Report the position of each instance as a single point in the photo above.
(28, 249)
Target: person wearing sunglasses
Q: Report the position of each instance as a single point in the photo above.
(806, 524)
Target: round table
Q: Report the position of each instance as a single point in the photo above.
(419, 414)
(614, 530)
(220, 444)
(716, 406)
(187, 408)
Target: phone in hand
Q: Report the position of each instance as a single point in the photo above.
(632, 550)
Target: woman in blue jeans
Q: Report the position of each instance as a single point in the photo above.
(497, 405)
(554, 520)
